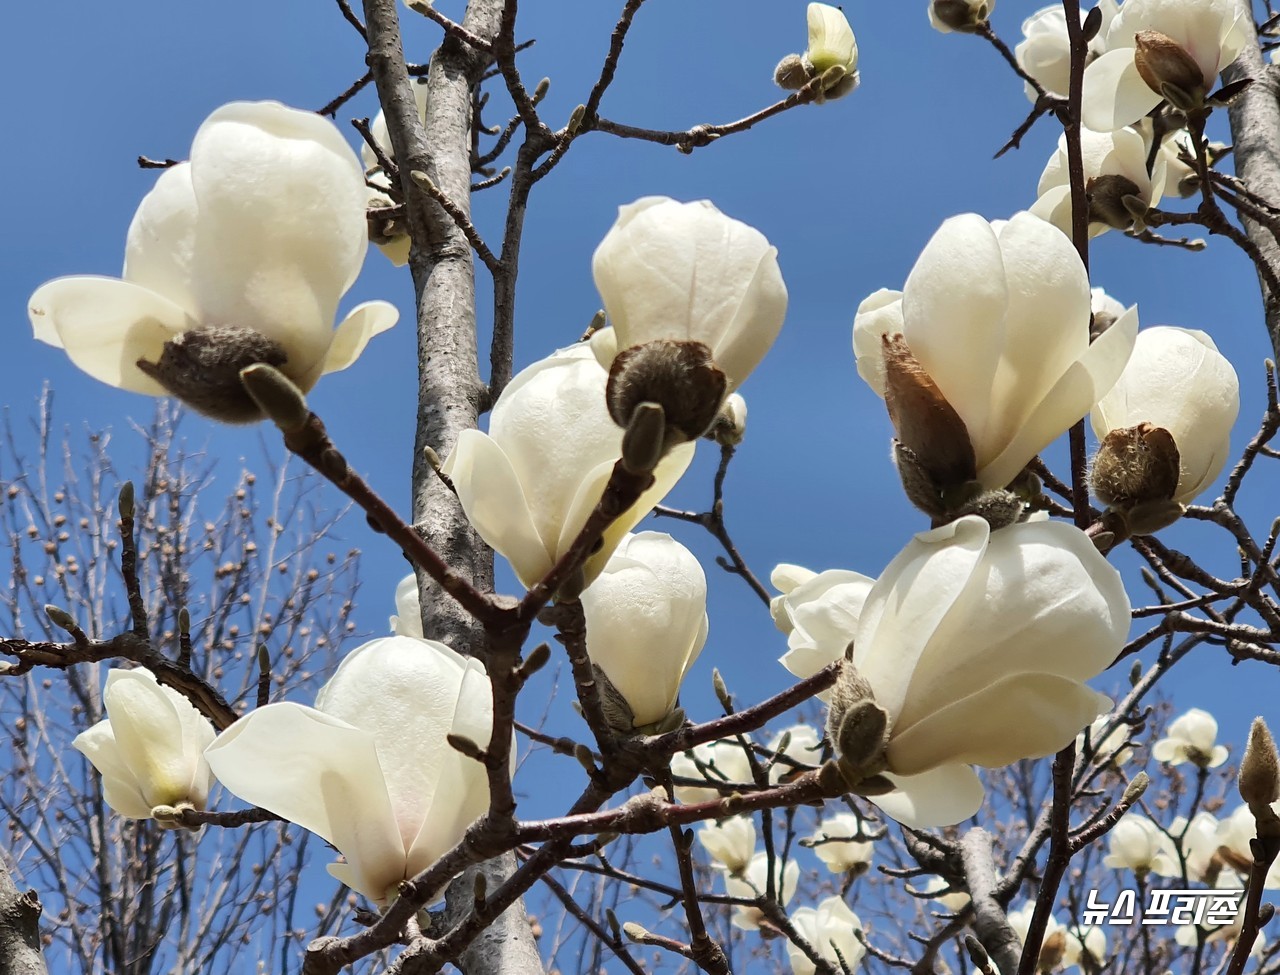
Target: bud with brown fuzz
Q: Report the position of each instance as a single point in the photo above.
(965, 16)
(1135, 465)
(1116, 201)
(679, 376)
(1260, 767)
(1169, 70)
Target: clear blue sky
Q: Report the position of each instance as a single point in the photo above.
(848, 192)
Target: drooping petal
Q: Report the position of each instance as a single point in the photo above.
(119, 785)
(943, 796)
(362, 323)
(323, 774)
(106, 325)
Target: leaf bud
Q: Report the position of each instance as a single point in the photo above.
(1260, 767)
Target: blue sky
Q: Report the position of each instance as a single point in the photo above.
(849, 193)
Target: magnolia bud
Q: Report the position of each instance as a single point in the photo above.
(643, 440)
(1260, 767)
(681, 377)
(1168, 69)
(966, 16)
(731, 425)
(792, 73)
(1116, 201)
(857, 725)
(1136, 465)
(202, 368)
(276, 396)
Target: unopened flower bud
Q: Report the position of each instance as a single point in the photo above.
(792, 73)
(1168, 69)
(1260, 767)
(966, 16)
(679, 376)
(1135, 465)
(832, 51)
(731, 425)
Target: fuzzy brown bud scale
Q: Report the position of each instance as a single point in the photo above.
(1169, 70)
(1116, 201)
(1136, 465)
(679, 376)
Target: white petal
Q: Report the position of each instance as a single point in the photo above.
(151, 737)
(408, 621)
(1114, 93)
(362, 323)
(106, 325)
(880, 314)
(119, 785)
(942, 796)
(162, 239)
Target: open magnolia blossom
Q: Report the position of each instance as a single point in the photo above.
(530, 483)
(1235, 834)
(730, 842)
(1192, 737)
(1106, 747)
(1045, 51)
(976, 644)
(818, 611)
(408, 618)
(1136, 843)
(390, 235)
(831, 928)
(992, 330)
(1177, 381)
(835, 845)
(1197, 842)
(1187, 935)
(149, 749)
(753, 883)
(797, 748)
(1118, 187)
(646, 624)
(1157, 50)
(685, 272)
(368, 769)
(239, 256)
(715, 761)
(1063, 946)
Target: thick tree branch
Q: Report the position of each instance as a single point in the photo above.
(19, 929)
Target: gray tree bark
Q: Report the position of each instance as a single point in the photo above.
(450, 392)
(19, 929)
(1255, 129)
(990, 922)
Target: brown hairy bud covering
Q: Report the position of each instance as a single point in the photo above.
(681, 377)
(1168, 69)
(1113, 200)
(966, 16)
(202, 368)
(792, 73)
(857, 726)
(1052, 950)
(1260, 767)
(1136, 465)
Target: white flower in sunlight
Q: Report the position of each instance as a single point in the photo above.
(997, 316)
(1235, 833)
(831, 45)
(1136, 843)
(1157, 49)
(819, 613)
(646, 624)
(1177, 380)
(965, 16)
(686, 272)
(953, 901)
(831, 928)
(150, 748)
(1086, 939)
(1112, 749)
(239, 256)
(395, 244)
(529, 484)
(408, 618)
(368, 768)
(1063, 946)
(754, 883)
(1045, 51)
(1191, 738)
(1186, 934)
(1119, 190)
(730, 842)
(797, 748)
(835, 845)
(716, 761)
(976, 645)
(1199, 844)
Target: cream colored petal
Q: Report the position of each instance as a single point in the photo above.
(106, 325)
(942, 796)
(494, 501)
(161, 242)
(880, 314)
(120, 787)
(362, 323)
(408, 618)
(150, 736)
(1114, 93)
(323, 774)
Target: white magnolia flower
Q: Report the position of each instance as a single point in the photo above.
(1045, 51)
(831, 44)
(1210, 33)
(1199, 845)
(1191, 738)
(977, 645)
(716, 761)
(408, 618)
(529, 484)
(730, 842)
(1178, 380)
(1136, 843)
(1104, 307)
(1109, 749)
(731, 425)
(959, 15)
(754, 883)
(819, 614)
(1086, 939)
(368, 768)
(1187, 937)
(647, 622)
(834, 845)
(1235, 834)
(395, 246)
(149, 749)
(998, 316)
(1063, 946)
(685, 271)
(830, 928)
(803, 747)
(953, 901)
(1116, 180)
(260, 234)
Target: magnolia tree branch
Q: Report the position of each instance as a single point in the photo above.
(19, 929)
(990, 922)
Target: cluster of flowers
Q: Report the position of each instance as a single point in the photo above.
(971, 648)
